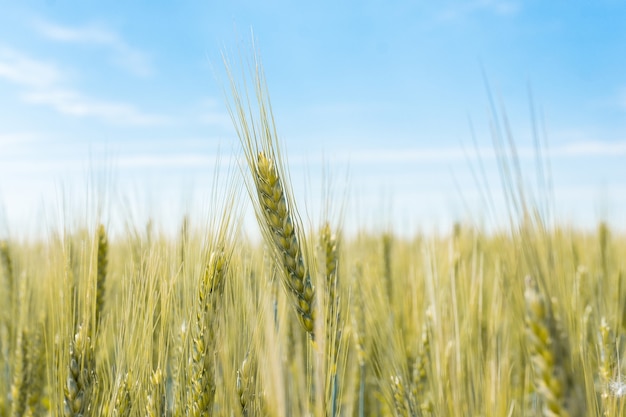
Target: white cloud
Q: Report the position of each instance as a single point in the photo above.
(12, 139)
(169, 161)
(123, 54)
(591, 148)
(75, 104)
(23, 70)
(44, 83)
(578, 149)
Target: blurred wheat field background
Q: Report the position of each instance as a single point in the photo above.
(526, 321)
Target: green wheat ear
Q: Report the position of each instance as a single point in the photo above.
(103, 261)
(549, 357)
(282, 230)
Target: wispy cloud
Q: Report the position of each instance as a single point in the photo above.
(75, 104)
(123, 55)
(592, 148)
(12, 140)
(21, 69)
(578, 149)
(46, 84)
(462, 9)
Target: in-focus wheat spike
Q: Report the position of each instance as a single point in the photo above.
(103, 253)
(78, 386)
(282, 231)
(550, 377)
(276, 213)
(202, 389)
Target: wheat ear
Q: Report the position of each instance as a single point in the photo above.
(202, 390)
(155, 404)
(19, 388)
(123, 399)
(103, 251)
(36, 373)
(333, 331)
(7, 265)
(549, 375)
(245, 386)
(607, 363)
(80, 377)
(282, 230)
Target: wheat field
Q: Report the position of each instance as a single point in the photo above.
(526, 321)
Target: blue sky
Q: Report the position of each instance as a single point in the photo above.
(381, 93)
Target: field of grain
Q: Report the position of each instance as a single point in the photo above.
(526, 321)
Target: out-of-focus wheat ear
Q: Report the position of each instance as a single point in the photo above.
(387, 264)
(245, 387)
(36, 373)
(7, 265)
(155, 399)
(123, 399)
(607, 363)
(281, 229)
(603, 237)
(333, 330)
(330, 251)
(103, 261)
(550, 376)
(78, 386)
(401, 401)
(11, 293)
(421, 366)
(358, 330)
(19, 387)
(202, 390)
